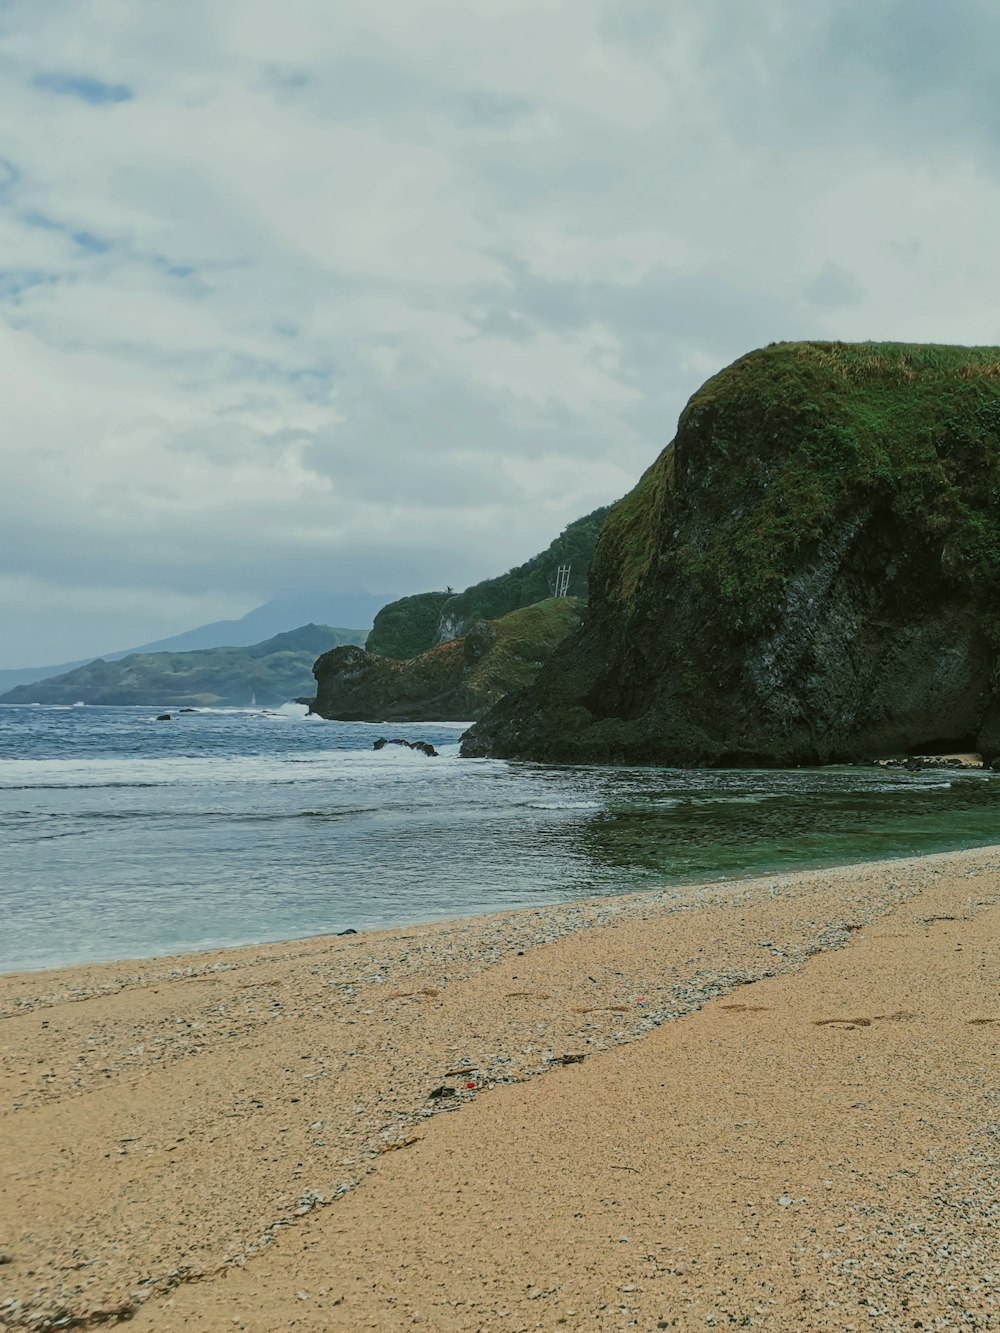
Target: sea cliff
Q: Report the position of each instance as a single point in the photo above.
(456, 681)
(809, 572)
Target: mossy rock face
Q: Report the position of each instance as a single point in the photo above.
(810, 572)
(455, 681)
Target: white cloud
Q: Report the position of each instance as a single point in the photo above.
(292, 293)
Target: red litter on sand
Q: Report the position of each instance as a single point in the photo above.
(470, 1085)
(641, 999)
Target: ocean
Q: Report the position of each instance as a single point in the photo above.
(125, 837)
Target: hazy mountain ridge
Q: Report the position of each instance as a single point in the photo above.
(273, 671)
(277, 616)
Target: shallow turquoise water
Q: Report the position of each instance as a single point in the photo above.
(121, 836)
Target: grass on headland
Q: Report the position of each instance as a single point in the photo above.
(790, 438)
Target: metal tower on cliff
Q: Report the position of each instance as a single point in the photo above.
(562, 580)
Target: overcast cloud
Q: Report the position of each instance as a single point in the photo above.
(384, 295)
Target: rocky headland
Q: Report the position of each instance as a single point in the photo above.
(809, 573)
(455, 681)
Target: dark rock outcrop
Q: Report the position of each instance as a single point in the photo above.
(456, 681)
(810, 572)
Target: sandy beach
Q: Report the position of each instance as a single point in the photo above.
(769, 1103)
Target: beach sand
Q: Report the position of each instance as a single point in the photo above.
(787, 1116)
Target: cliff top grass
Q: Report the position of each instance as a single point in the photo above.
(411, 625)
(793, 436)
(522, 641)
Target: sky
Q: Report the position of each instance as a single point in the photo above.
(383, 296)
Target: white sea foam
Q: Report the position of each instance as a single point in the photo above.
(568, 805)
(292, 712)
(754, 799)
(328, 766)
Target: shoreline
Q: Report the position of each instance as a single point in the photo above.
(685, 885)
(199, 1115)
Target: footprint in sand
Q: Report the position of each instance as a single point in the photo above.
(844, 1022)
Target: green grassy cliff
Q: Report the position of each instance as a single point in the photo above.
(408, 626)
(810, 571)
(454, 681)
(411, 625)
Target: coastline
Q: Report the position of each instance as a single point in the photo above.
(131, 968)
(212, 1115)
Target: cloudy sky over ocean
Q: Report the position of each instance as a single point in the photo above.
(384, 295)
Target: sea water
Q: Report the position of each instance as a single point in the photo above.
(122, 836)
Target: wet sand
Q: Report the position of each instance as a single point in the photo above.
(771, 1103)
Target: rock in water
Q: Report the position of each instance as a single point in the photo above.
(424, 747)
(808, 573)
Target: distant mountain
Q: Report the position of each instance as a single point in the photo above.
(277, 616)
(278, 669)
(13, 676)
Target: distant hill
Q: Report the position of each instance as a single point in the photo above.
(278, 669)
(278, 616)
(411, 625)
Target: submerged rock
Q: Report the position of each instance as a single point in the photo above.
(424, 747)
(810, 572)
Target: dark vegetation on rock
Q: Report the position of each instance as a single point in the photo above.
(455, 681)
(411, 625)
(808, 573)
(408, 626)
(274, 671)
